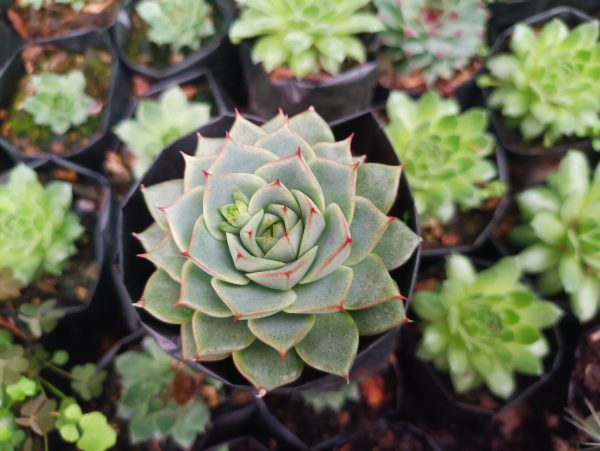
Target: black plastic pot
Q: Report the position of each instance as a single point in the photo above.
(218, 54)
(435, 391)
(506, 13)
(509, 138)
(576, 396)
(9, 43)
(91, 154)
(339, 96)
(369, 139)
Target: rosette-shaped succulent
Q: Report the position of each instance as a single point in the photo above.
(433, 37)
(483, 327)
(77, 5)
(275, 248)
(561, 234)
(547, 86)
(308, 36)
(59, 101)
(177, 23)
(446, 154)
(37, 228)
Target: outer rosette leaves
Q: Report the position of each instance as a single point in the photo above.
(561, 234)
(273, 233)
(484, 327)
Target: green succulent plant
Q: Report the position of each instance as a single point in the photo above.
(158, 123)
(561, 234)
(59, 101)
(308, 36)
(180, 24)
(547, 86)
(37, 226)
(446, 153)
(77, 5)
(285, 244)
(149, 402)
(333, 400)
(483, 327)
(434, 37)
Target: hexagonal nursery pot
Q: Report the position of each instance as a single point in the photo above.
(435, 390)
(80, 287)
(506, 13)
(373, 352)
(334, 97)
(87, 149)
(509, 138)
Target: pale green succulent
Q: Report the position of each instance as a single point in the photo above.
(434, 37)
(275, 242)
(37, 228)
(59, 101)
(179, 24)
(561, 234)
(590, 426)
(77, 5)
(333, 400)
(308, 36)
(446, 153)
(484, 327)
(158, 123)
(548, 86)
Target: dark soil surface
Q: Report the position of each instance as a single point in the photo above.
(18, 127)
(392, 437)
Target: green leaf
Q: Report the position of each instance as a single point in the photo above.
(371, 285)
(338, 182)
(282, 331)
(198, 294)
(87, 381)
(159, 298)
(585, 299)
(167, 257)
(379, 183)
(240, 158)
(182, 215)
(366, 230)
(379, 318)
(97, 434)
(325, 295)
(219, 335)
(162, 195)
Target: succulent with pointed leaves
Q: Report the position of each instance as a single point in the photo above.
(158, 123)
(308, 36)
(435, 38)
(446, 154)
(483, 327)
(547, 86)
(561, 234)
(180, 24)
(589, 426)
(275, 242)
(38, 230)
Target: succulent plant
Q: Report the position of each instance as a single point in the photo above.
(285, 244)
(37, 227)
(483, 327)
(156, 398)
(547, 86)
(334, 400)
(158, 123)
(308, 36)
(589, 426)
(59, 101)
(179, 24)
(446, 154)
(561, 234)
(77, 5)
(434, 37)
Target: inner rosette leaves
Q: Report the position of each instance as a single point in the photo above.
(275, 249)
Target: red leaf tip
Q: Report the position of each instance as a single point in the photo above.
(140, 303)
(236, 318)
(185, 254)
(299, 152)
(407, 320)
(205, 173)
(277, 182)
(227, 136)
(340, 308)
(283, 355)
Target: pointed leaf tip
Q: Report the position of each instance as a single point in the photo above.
(407, 320)
(299, 152)
(139, 304)
(261, 393)
(311, 109)
(185, 254)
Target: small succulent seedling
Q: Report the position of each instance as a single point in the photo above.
(589, 426)
(446, 153)
(179, 24)
(158, 123)
(547, 86)
(77, 5)
(38, 230)
(162, 398)
(59, 101)
(561, 234)
(435, 38)
(332, 400)
(276, 241)
(30, 399)
(306, 36)
(483, 327)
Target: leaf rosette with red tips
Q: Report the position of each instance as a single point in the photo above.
(275, 248)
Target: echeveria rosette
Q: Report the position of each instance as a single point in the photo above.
(561, 234)
(158, 123)
(180, 24)
(275, 248)
(38, 230)
(548, 85)
(446, 153)
(484, 327)
(307, 36)
(434, 37)
(77, 5)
